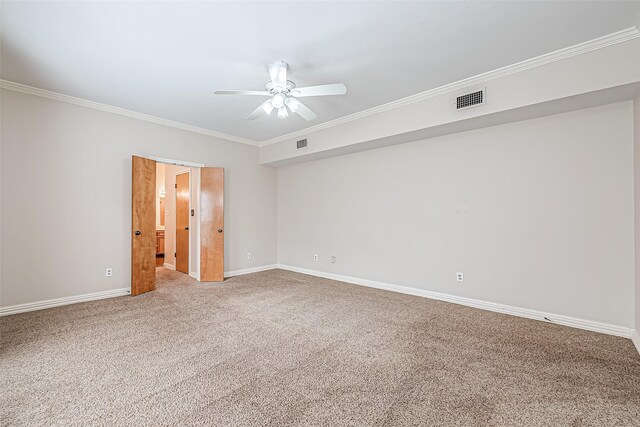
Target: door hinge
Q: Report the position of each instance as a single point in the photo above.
(175, 254)
(175, 185)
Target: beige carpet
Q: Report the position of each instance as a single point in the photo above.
(278, 348)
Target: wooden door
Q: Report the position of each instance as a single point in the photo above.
(212, 224)
(182, 222)
(143, 225)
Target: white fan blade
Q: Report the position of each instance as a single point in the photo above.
(304, 112)
(278, 73)
(242, 92)
(265, 107)
(322, 90)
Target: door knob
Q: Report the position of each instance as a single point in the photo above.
(138, 232)
(186, 228)
(219, 230)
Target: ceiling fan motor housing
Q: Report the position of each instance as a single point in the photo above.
(269, 87)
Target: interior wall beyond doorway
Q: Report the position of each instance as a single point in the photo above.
(170, 217)
(160, 192)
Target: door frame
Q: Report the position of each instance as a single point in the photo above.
(176, 162)
(175, 238)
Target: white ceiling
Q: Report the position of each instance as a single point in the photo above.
(166, 58)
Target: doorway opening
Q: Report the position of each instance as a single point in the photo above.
(177, 221)
(177, 218)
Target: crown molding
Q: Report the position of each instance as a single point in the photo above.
(548, 58)
(558, 55)
(17, 87)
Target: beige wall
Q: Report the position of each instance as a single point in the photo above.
(537, 214)
(160, 187)
(66, 196)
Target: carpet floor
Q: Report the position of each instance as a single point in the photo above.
(278, 348)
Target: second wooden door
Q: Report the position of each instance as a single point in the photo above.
(211, 224)
(182, 222)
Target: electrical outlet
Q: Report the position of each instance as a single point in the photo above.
(460, 277)
(316, 257)
(333, 259)
(248, 255)
(109, 272)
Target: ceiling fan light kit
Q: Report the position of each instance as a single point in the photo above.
(278, 100)
(283, 94)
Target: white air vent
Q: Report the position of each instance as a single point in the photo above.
(301, 144)
(470, 100)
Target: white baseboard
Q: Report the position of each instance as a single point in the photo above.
(232, 272)
(40, 305)
(250, 270)
(589, 325)
(635, 337)
(169, 266)
(499, 308)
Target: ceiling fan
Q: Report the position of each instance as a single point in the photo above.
(283, 94)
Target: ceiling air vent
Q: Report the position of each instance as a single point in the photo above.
(470, 100)
(301, 144)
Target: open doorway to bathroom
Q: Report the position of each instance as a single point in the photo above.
(176, 218)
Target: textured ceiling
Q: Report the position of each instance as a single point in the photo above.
(166, 58)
